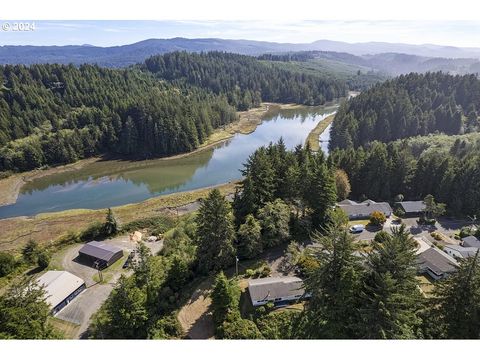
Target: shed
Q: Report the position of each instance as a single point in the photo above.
(277, 290)
(100, 253)
(60, 288)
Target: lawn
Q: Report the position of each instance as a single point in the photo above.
(358, 222)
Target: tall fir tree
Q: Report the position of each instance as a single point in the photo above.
(215, 233)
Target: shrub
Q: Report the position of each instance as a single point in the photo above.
(249, 273)
(266, 271)
(399, 212)
(377, 218)
(307, 264)
(466, 231)
(7, 264)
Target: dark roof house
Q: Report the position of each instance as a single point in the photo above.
(276, 290)
(436, 263)
(100, 253)
(412, 207)
(471, 241)
(364, 209)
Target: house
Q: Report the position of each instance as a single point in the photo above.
(437, 264)
(364, 209)
(60, 288)
(458, 251)
(277, 290)
(471, 241)
(100, 254)
(412, 208)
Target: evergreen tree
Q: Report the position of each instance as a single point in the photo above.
(322, 195)
(111, 225)
(390, 299)
(334, 286)
(457, 301)
(24, 314)
(225, 298)
(274, 219)
(249, 238)
(215, 233)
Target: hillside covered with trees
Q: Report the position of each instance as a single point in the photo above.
(244, 80)
(407, 106)
(447, 167)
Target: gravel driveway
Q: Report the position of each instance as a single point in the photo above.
(80, 310)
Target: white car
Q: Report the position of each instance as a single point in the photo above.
(355, 229)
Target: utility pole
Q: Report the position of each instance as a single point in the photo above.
(236, 265)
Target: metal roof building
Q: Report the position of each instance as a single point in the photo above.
(276, 290)
(364, 209)
(60, 288)
(100, 253)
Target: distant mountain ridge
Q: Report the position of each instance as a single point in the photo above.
(120, 56)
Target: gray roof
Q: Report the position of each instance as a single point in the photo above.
(58, 285)
(364, 208)
(471, 241)
(412, 206)
(99, 250)
(271, 288)
(464, 251)
(436, 261)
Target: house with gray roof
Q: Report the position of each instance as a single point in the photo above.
(471, 241)
(364, 209)
(276, 290)
(458, 251)
(100, 254)
(412, 208)
(437, 264)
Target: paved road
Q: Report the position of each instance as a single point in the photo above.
(81, 309)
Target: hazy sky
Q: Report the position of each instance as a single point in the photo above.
(108, 33)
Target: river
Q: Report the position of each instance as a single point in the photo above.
(110, 183)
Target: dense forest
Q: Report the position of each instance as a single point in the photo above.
(244, 80)
(447, 167)
(55, 114)
(407, 106)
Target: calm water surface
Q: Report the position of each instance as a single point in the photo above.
(111, 183)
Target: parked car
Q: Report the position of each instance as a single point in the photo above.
(356, 229)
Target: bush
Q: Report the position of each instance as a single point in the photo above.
(307, 264)
(377, 218)
(266, 271)
(7, 264)
(399, 212)
(249, 273)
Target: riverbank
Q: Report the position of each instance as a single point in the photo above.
(47, 229)
(248, 121)
(313, 139)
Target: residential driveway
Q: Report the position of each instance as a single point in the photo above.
(80, 310)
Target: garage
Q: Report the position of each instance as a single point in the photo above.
(60, 288)
(99, 254)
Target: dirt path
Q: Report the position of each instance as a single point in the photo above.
(195, 317)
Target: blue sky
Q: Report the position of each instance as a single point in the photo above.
(108, 33)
